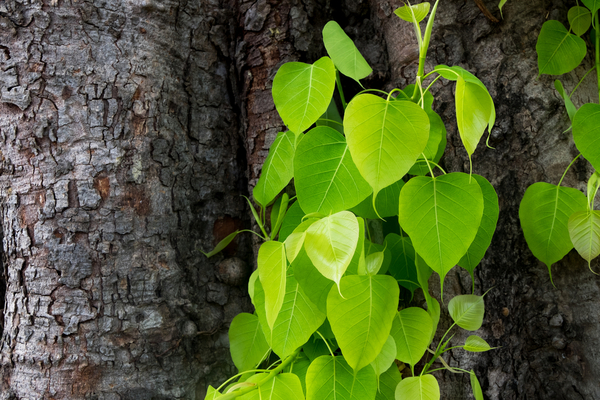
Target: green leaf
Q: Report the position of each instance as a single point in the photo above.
(371, 248)
(467, 311)
(477, 392)
(247, 342)
(277, 170)
(326, 179)
(362, 319)
(302, 92)
(584, 230)
(424, 387)
(500, 5)
(593, 5)
(332, 118)
(483, 239)
(343, 52)
(544, 213)
(586, 131)
(272, 266)
(313, 283)
(435, 145)
(294, 243)
(315, 348)
(298, 319)
(212, 393)
(442, 216)
(384, 137)
(571, 109)
(385, 358)
(221, 245)
(284, 386)
(359, 253)
(277, 214)
(592, 188)
(251, 283)
(258, 300)
(373, 262)
(402, 266)
(558, 50)
(331, 378)
(413, 13)
(476, 344)
(292, 219)
(386, 203)
(299, 368)
(580, 19)
(411, 330)
(387, 383)
(330, 243)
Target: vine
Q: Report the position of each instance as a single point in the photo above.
(326, 291)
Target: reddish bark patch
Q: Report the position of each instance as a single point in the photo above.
(139, 125)
(102, 185)
(85, 380)
(223, 227)
(136, 198)
(72, 195)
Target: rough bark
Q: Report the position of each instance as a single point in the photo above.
(121, 156)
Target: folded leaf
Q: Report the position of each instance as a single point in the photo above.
(272, 266)
(413, 13)
(343, 52)
(247, 342)
(278, 169)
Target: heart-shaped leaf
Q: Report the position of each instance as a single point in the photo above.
(467, 311)
(326, 179)
(584, 230)
(413, 13)
(302, 92)
(247, 342)
(580, 19)
(362, 319)
(343, 52)
(331, 378)
(424, 387)
(278, 169)
(558, 50)
(385, 358)
(586, 131)
(411, 331)
(384, 137)
(476, 344)
(272, 266)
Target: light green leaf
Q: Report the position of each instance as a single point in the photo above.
(330, 243)
(477, 392)
(326, 179)
(298, 319)
(371, 248)
(247, 342)
(221, 245)
(586, 132)
(302, 92)
(558, 50)
(277, 213)
(467, 311)
(284, 386)
(386, 203)
(212, 393)
(423, 387)
(580, 19)
(259, 305)
(435, 145)
(331, 378)
(292, 219)
(387, 383)
(500, 5)
(359, 254)
(251, 283)
(592, 188)
(442, 216)
(362, 319)
(411, 330)
(413, 13)
(272, 266)
(593, 5)
(384, 137)
(385, 358)
(584, 230)
(476, 344)
(571, 109)
(313, 283)
(343, 52)
(483, 239)
(373, 262)
(332, 118)
(544, 213)
(402, 266)
(295, 241)
(277, 170)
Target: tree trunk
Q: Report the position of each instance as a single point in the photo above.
(126, 128)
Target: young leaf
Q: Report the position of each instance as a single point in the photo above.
(592, 188)
(558, 50)
(413, 13)
(580, 19)
(272, 266)
(277, 170)
(442, 216)
(424, 387)
(313, 283)
(330, 243)
(326, 179)
(284, 386)
(277, 214)
(386, 203)
(500, 5)
(251, 283)
(294, 243)
(593, 5)
(373, 262)
(302, 92)
(586, 128)
(477, 392)
(571, 109)
(221, 245)
(473, 112)
(584, 230)
(467, 311)
(402, 266)
(385, 358)
(343, 52)
(362, 319)
(476, 344)
(212, 393)
(487, 227)
(332, 118)
(544, 213)
(292, 219)
(247, 342)
(387, 383)
(298, 319)
(384, 137)
(411, 331)
(331, 378)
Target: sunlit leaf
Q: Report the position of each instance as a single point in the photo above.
(284, 386)
(413, 13)
(476, 344)
(247, 342)
(500, 6)
(299, 368)
(558, 50)
(586, 133)
(278, 169)
(584, 230)
(477, 392)
(294, 243)
(343, 52)
(212, 393)
(272, 266)
(411, 331)
(331, 378)
(467, 311)
(424, 387)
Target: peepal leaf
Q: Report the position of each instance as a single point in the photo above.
(476, 344)
(442, 216)
(544, 213)
(424, 387)
(580, 19)
(302, 92)
(558, 50)
(402, 266)
(277, 170)
(593, 5)
(584, 230)
(331, 378)
(413, 13)
(477, 392)
(467, 311)
(326, 179)
(313, 283)
(284, 386)
(384, 137)
(385, 358)
(332, 118)
(387, 383)
(362, 319)
(411, 331)
(586, 133)
(343, 52)
(272, 266)
(247, 342)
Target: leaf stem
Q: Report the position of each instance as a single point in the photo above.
(581, 80)
(432, 162)
(326, 343)
(566, 170)
(374, 90)
(428, 165)
(329, 120)
(338, 81)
